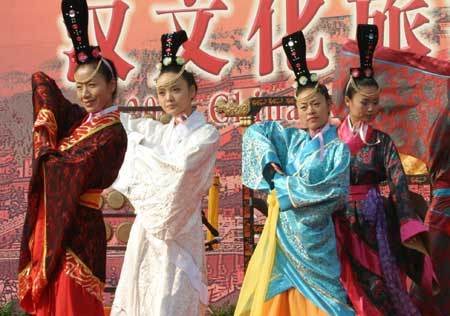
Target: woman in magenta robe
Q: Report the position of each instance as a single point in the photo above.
(379, 241)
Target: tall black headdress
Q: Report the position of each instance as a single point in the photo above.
(76, 19)
(170, 44)
(367, 37)
(294, 46)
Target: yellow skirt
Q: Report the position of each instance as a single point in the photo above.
(291, 303)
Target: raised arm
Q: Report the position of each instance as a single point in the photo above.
(262, 145)
(54, 114)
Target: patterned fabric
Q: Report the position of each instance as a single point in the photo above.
(59, 178)
(45, 120)
(312, 190)
(78, 271)
(371, 231)
(414, 96)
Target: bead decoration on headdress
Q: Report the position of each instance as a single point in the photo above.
(76, 18)
(170, 44)
(367, 37)
(294, 46)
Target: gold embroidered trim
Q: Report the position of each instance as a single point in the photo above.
(86, 130)
(82, 275)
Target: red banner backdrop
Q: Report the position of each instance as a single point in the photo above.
(233, 47)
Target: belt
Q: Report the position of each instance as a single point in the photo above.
(359, 192)
(92, 198)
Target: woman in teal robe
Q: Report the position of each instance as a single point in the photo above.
(309, 171)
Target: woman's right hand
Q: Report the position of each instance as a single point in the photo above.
(277, 168)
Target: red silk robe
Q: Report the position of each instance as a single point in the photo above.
(63, 249)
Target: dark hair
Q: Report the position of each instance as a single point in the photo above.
(350, 90)
(187, 75)
(321, 88)
(103, 70)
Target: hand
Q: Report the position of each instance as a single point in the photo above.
(277, 168)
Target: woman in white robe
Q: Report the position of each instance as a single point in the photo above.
(167, 171)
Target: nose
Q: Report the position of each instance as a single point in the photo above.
(85, 92)
(169, 96)
(310, 110)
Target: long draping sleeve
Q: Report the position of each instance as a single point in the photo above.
(168, 186)
(140, 132)
(263, 144)
(52, 111)
(410, 222)
(61, 177)
(323, 194)
(144, 130)
(415, 258)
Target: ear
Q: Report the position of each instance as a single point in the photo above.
(192, 92)
(347, 101)
(113, 85)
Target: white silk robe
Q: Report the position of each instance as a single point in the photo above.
(167, 171)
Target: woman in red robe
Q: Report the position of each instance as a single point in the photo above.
(78, 152)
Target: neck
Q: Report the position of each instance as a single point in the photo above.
(354, 121)
(188, 112)
(102, 109)
(108, 106)
(314, 132)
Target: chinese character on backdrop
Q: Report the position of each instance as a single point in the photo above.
(192, 50)
(297, 17)
(109, 41)
(397, 21)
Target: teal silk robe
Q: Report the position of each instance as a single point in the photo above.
(314, 187)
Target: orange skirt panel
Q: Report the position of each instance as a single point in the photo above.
(291, 303)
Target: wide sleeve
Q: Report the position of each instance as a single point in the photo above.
(53, 113)
(262, 144)
(142, 130)
(66, 175)
(415, 257)
(410, 222)
(168, 186)
(323, 194)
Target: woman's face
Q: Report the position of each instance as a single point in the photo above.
(97, 93)
(175, 99)
(364, 108)
(313, 111)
